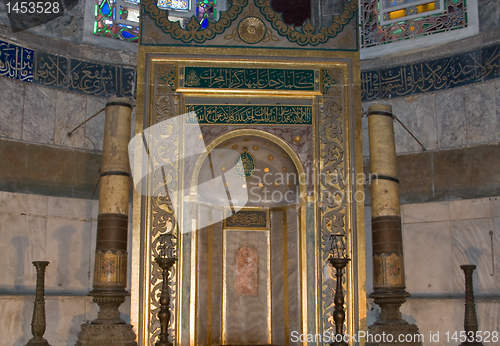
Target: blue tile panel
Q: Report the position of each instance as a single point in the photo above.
(439, 74)
(66, 73)
(16, 62)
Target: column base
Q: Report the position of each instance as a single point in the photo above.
(382, 334)
(391, 328)
(106, 334)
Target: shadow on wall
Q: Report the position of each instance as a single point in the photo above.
(21, 245)
(24, 319)
(474, 254)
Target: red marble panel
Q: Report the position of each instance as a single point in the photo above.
(247, 272)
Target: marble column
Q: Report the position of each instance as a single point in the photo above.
(389, 290)
(110, 270)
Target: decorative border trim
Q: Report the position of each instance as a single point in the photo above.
(193, 31)
(303, 36)
(307, 36)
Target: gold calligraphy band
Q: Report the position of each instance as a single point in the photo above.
(385, 177)
(115, 103)
(389, 114)
(115, 173)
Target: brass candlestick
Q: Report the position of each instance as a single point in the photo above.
(165, 260)
(470, 319)
(38, 322)
(339, 313)
(338, 260)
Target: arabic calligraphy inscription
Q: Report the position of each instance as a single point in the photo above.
(249, 78)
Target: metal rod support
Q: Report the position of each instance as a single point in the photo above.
(76, 128)
(411, 134)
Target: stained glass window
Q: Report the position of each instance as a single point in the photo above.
(206, 12)
(117, 19)
(386, 21)
(120, 18)
(182, 5)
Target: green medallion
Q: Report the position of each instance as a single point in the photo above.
(245, 165)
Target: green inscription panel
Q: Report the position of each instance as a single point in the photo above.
(248, 114)
(250, 79)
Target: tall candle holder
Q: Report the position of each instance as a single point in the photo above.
(470, 320)
(165, 260)
(38, 323)
(338, 260)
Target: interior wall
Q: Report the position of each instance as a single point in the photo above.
(438, 237)
(33, 219)
(59, 230)
(450, 191)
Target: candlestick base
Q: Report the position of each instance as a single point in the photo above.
(38, 341)
(102, 334)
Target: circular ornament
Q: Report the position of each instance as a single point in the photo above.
(252, 30)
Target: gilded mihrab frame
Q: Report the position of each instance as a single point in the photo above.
(293, 82)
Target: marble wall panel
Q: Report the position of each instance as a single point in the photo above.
(23, 241)
(70, 208)
(435, 315)
(480, 114)
(494, 207)
(404, 142)
(16, 321)
(11, 112)
(489, 14)
(450, 110)
(488, 315)
(39, 114)
(71, 110)
(418, 114)
(20, 203)
(94, 131)
(68, 249)
(203, 296)
(277, 277)
(426, 212)
(427, 251)
(65, 316)
(470, 209)
(471, 244)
